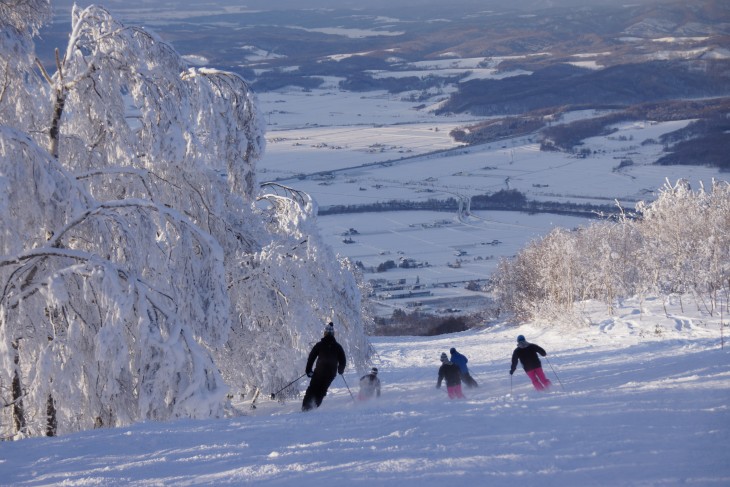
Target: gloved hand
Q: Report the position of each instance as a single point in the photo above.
(511, 372)
(310, 374)
(438, 386)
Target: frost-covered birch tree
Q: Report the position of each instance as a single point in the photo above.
(144, 275)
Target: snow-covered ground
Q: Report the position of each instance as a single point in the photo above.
(345, 148)
(639, 399)
(445, 252)
(380, 147)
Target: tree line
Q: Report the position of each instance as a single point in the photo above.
(502, 200)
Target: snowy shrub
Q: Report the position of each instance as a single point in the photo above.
(677, 244)
(144, 274)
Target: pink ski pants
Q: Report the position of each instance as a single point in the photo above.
(455, 391)
(537, 376)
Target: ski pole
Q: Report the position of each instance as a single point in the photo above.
(556, 374)
(273, 394)
(510, 384)
(348, 387)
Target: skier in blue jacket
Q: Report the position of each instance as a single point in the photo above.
(461, 360)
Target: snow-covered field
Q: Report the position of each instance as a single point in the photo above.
(380, 147)
(639, 399)
(347, 148)
(447, 251)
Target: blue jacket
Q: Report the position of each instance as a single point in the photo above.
(461, 361)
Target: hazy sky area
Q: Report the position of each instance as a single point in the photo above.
(354, 4)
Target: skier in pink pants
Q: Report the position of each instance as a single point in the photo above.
(526, 353)
(452, 374)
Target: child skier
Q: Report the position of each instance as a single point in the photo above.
(369, 385)
(452, 374)
(526, 353)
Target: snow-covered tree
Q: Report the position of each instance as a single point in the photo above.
(676, 244)
(686, 245)
(21, 92)
(143, 272)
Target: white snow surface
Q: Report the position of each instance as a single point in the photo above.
(640, 398)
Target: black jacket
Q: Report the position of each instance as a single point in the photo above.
(451, 372)
(528, 357)
(330, 357)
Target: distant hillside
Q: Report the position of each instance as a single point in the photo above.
(565, 84)
(648, 51)
(702, 142)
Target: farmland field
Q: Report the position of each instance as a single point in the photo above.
(376, 148)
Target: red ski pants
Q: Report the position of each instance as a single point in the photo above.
(455, 391)
(537, 376)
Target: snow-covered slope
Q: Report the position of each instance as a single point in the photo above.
(639, 399)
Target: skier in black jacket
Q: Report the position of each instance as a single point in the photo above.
(452, 373)
(331, 360)
(527, 354)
